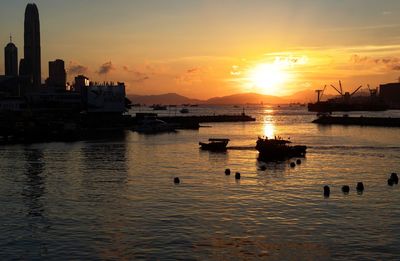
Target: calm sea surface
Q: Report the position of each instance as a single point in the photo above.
(115, 199)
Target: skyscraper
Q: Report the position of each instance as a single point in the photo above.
(57, 75)
(32, 45)
(11, 59)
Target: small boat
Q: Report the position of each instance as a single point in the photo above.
(153, 126)
(159, 107)
(278, 149)
(184, 110)
(214, 145)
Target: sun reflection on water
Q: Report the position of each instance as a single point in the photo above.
(269, 129)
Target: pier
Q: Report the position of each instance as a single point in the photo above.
(360, 121)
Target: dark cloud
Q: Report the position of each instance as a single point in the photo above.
(106, 68)
(390, 63)
(138, 77)
(75, 68)
(190, 76)
(193, 70)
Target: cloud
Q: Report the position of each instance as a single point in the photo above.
(192, 70)
(190, 76)
(138, 77)
(388, 63)
(106, 68)
(74, 68)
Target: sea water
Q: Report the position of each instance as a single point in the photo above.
(115, 198)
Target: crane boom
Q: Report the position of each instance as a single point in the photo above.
(337, 90)
(359, 87)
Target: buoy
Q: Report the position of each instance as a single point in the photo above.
(327, 191)
(227, 172)
(390, 182)
(177, 180)
(263, 168)
(298, 162)
(237, 175)
(292, 164)
(395, 178)
(360, 187)
(346, 189)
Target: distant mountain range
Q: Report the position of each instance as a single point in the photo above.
(242, 98)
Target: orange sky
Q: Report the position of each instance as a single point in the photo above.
(210, 48)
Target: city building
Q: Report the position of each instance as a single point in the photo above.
(105, 98)
(390, 94)
(32, 45)
(81, 82)
(57, 75)
(11, 59)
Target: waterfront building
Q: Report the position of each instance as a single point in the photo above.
(11, 59)
(81, 82)
(105, 97)
(390, 94)
(57, 75)
(32, 45)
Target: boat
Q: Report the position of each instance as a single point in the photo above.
(214, 144)
(278, 149)
(158, 107)
(184, 110)
(153, 126)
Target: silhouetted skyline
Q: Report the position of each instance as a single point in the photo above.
(203, 49)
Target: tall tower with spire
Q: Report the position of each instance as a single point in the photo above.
(32, 58)
(11, 59)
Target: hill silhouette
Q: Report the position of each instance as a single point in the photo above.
(240, 98)
(246, 98)
(168, 98)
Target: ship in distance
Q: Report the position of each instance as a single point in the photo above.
(348, 101)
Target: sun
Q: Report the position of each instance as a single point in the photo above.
(268, 78)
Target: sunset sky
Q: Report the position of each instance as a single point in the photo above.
(203, 49)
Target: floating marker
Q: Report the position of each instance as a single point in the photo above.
(177, 180)
(298, 162)
(327, 191)
(227, 172)
(237, 175)
(395, 178)
(346, 189)
(360, 187)
(292, 164)
(390, 182)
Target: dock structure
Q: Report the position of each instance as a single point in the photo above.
(360, 121)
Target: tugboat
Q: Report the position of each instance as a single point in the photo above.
(214, 145)
(278, 149)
